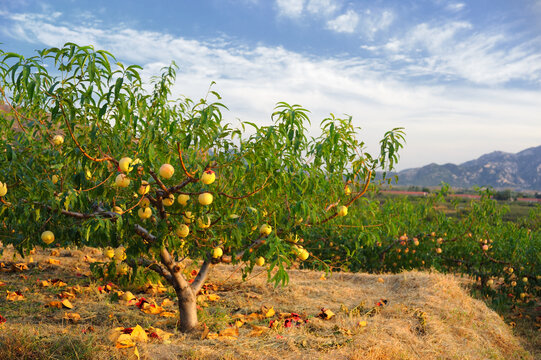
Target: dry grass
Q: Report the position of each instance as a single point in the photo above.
(428, 316)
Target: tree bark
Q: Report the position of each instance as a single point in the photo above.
(186, 292)
(187, 309)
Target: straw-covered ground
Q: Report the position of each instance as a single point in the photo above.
(412, 315)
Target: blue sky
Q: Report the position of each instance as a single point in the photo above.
(463, 78)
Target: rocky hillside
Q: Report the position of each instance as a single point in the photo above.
(500, 170)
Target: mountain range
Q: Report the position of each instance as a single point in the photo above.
(500, 170)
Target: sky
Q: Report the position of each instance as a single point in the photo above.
(462, 77)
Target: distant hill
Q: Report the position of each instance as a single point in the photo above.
(500, 170)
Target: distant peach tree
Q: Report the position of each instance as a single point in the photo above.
(90, 157)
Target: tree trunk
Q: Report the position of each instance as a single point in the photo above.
(186, 292)
(187, 309)
(172, 272)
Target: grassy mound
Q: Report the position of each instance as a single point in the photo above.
(412, 315)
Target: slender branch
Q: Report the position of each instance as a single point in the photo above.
(176, 188)
(247, 195)
(79, 215)
(150, 265)
(158, 181)
(328, 219)
(332, 205)
(348, 204)
(384, 251)
(365, 188)
(255, 244)
(496, 260)
(105, 158)
(14, 110)
(182, 162)
(100, 184)
(358, 226)
(133, 207)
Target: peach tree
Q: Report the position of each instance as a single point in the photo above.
(93, 156)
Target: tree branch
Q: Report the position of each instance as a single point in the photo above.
(176, 188)
(178, 280)
(14, 111)
(158, 181)
(105, 158)
(365, 188)
(202, 276)
(78, 215)
(182, 163)
(255, 244)
(150, 265)
(247, 195)
(101, 183)
(142, 232)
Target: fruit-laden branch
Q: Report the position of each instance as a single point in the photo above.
(158, 203)
(348, 204)
(182, 163)
(247, 195)
(495, 260)
(365, 188)
(254, 245)
(133, 207)
(386, 250)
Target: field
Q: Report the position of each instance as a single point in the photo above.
(426, 315)
(517, 210)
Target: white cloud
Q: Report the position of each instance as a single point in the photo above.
(374, 21)
(465, 121)
(456, 50)
(455, 7)
(367, 23)
(436, 36)
(346, 23)
(322, 7)
(290, 8)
